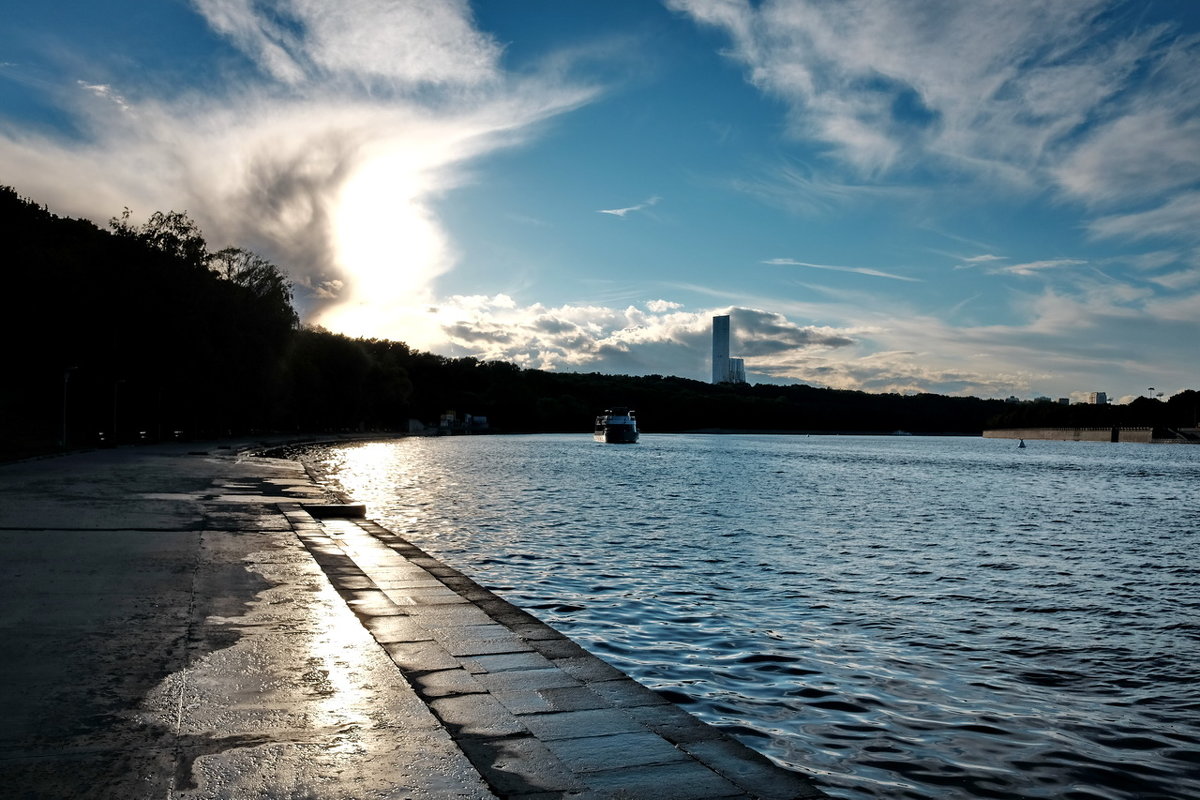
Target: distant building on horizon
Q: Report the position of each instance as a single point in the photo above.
(724, 368)
(1098, 398)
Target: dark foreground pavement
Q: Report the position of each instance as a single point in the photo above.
(176, 624)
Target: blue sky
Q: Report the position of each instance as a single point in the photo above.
(987, 198)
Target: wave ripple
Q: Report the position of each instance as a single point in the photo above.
(903, 617)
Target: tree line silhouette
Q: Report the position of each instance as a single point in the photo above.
(141, 333)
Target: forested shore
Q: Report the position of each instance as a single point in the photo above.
(141, 333)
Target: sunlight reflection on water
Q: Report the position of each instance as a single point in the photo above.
(918, 617)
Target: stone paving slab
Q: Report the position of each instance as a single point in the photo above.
(538, 715)
(522, 766)
(565, 698)
(618, 751)
(685, 780)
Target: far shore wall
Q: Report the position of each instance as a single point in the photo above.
(1140, 435)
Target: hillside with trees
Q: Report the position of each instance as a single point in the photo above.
(141, 333)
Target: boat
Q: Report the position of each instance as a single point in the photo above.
(616, 425)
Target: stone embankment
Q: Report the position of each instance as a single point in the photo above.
(191, 622)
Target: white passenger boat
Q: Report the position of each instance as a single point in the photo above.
(616, 426)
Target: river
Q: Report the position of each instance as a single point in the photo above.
(915, 617)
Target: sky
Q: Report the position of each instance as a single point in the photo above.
(992, 198)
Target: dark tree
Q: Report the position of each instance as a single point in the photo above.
(173, 233)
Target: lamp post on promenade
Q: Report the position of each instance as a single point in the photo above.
(66, 380)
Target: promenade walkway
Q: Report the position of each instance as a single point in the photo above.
(176, 624)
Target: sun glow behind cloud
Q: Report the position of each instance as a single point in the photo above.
(389, 245)
(328, 159)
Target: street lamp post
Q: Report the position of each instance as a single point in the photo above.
(66, 380)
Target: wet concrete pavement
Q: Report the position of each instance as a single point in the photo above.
(176, 625)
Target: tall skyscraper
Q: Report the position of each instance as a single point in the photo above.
(720, 355)
(725, 369)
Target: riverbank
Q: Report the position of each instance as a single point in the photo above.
(1143, 435)
(179, 625)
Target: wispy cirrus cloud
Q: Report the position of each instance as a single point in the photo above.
(875, 273)
(1037, 267)
(106, 92)
(1065, 336)
(642, 206)
(1149, 152)
(1175, 219)
(1029, 96)
(801, 190)
(878, 80)
(992, 266)
(430, 42)
(1177, 280)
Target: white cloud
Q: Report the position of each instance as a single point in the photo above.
(1023, 95)
(877, 79)
(906, 372)
(874, 344)
(1174, 219)
(256, 34)
(656, 339)
(1180, 310)
(621, 212)
(1155, 259)
(1037, 267)
(1064, 336)
(404, 43)
(106, 92)
(788, 262)
(799, 190)
(1142, 154)
(323, 290)
(1174, 281)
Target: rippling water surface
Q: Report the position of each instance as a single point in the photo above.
(901, 617)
